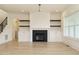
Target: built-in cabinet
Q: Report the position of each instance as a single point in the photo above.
(39, 21)
(24, 23)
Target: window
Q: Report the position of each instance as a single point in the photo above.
(66, 32)
(77, 31)
(71, 31)
(71, 25)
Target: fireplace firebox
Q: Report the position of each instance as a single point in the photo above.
(39, 35)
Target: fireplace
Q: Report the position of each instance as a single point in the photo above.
(39, 36)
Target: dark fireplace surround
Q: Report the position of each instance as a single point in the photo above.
(39, 35)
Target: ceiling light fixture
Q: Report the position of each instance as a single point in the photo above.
(39, 5)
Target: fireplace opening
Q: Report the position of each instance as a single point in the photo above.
(39, 35)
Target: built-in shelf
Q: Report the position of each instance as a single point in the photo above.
(55, 23)
(24, 20)
(24, 23)
(55, 20)
(24, 26)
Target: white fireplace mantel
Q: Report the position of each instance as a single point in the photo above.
(39, 21)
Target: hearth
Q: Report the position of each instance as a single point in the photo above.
(39, 36)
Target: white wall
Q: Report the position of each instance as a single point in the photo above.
(39, 20)
(6, 32)
(21, 16)
(3, 15)
(24, 33)
(6, 35)
(55, 16)
(73, 42)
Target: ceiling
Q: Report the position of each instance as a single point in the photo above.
(34, 7)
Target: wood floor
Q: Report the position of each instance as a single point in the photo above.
(24, 48)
